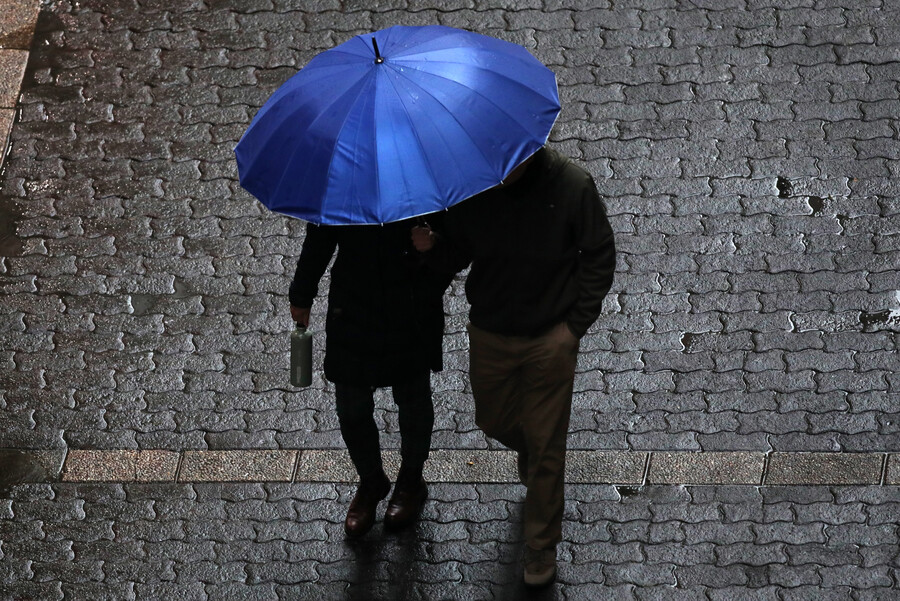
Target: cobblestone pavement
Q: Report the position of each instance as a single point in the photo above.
(252, 541)
(748, 153)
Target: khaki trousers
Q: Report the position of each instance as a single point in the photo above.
(523, 399)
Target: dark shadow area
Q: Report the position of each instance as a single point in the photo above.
(403, 564)
(20, 467)
(505, 578)
(385, 565)
(10, 243)
(364, 576)
(40, 56)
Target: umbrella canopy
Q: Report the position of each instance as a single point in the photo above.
(395, 124)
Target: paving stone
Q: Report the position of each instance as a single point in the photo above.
(331, 466)
(472, 466)
(12, 68)
(233, 466)
(7, 117)
(706, 468)
(595, 467)
(821, 468)
(120, 466)
(17, 24)
(893, 469)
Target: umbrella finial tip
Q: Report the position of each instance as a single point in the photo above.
(378, 58)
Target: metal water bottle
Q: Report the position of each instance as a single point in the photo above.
(301, 357)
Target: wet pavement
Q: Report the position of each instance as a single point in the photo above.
(735, 427)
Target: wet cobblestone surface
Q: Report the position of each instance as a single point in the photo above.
(748, 154)
(747, 158)
(281, 541)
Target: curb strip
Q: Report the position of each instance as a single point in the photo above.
(460, 466)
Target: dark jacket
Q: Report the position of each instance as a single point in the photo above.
(385, 318)
(541, 250)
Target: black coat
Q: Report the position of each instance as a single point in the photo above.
(385, 306)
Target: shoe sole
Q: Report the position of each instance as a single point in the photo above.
(542, 582)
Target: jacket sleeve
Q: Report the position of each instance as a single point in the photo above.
(318, 248)
(596, 260)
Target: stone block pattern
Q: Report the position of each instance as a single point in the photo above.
(212, 542)
(746, 150)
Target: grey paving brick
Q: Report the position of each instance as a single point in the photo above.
(856, 578)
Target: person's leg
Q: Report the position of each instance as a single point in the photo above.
(355, 407)
(494, 373)
(546, 407)
(415, 411)
(355, 411)
(416, 417)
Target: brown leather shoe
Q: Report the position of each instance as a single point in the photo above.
(406, 503)
(363, 507)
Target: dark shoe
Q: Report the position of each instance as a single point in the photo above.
(363, 507)
(522, 464)
(540, 566)
(406, 503)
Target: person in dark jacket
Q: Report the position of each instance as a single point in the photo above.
(384, 327)
(542, 260)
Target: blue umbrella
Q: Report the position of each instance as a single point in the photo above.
(396, 124)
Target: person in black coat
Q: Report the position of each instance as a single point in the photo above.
(384, 327)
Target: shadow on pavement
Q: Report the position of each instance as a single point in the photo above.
(19, 467)
(386, 566)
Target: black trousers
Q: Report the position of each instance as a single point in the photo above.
(355, 410)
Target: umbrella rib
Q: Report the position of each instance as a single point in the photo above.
(444, 32)
(414, 130)
(471, 66)
(287, 90)
(338, 136)
(462, 127)
(333, 148)
(479, 94)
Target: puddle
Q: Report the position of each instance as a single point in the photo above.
(880, 320)
(817, 204)
(785, 189)
(687, 341)
(628, 491)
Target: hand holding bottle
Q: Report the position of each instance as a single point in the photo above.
(300, 315)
